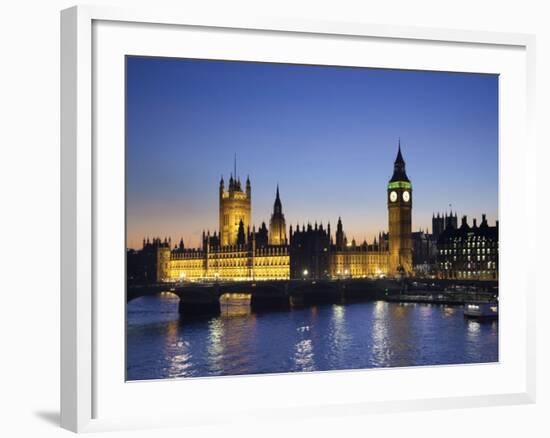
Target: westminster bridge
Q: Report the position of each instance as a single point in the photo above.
(201, 298)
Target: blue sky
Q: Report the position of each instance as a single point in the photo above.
(327, 135)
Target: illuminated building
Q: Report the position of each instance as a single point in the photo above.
(231, 262)
(399, 218)
(314, 255)
(235, 209)
(237, 252)
(469, 252)
(350, 260)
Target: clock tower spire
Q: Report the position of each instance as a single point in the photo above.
(399, 218)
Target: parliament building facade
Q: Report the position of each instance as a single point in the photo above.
(239, 251)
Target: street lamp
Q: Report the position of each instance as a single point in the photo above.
(305, 273)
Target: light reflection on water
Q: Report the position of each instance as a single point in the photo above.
(215, 346)
(304, 359)
(328, 337)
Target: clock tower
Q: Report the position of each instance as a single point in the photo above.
(399, 218)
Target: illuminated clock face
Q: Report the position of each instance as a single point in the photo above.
(406, 196)
(393, 196)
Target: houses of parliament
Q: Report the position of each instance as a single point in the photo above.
(240, 251)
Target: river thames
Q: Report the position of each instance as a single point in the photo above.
(371, 334)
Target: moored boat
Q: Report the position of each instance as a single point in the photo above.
(481, 310)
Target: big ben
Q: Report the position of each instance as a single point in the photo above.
(399, 218)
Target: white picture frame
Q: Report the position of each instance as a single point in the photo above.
(83, 370)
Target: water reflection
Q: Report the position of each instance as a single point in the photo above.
(304, 359)
(339, 336)
(229, 311)
(474, 328)
(402, 345)
(326, 337)
(178, 352)
(215, 345)
(449, 311)
(480, 332)
(339, 340)
(379, 345)
(180, 361)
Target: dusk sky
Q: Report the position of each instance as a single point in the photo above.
(327, 135)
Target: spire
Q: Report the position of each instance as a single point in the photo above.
(399, 158)
(235, 165)
(241, 240)
(340, 241)
(399, 173)
(277, 206)
(248, 187)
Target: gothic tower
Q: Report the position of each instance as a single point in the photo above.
(399, 218)
(277, 225)
(235, 206)
(339, 235)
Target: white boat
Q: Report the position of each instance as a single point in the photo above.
(481, 310)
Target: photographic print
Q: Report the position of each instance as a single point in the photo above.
(290, 218)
